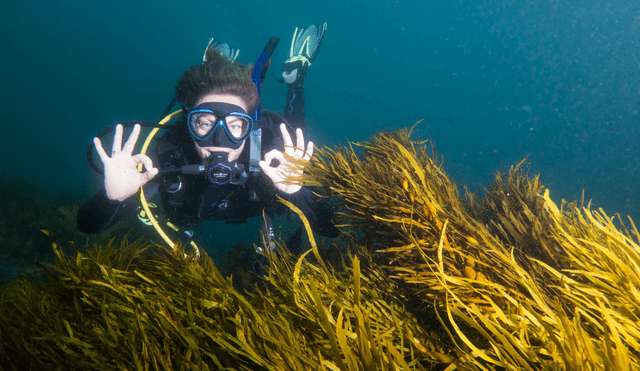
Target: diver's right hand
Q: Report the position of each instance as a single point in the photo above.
(121, 176)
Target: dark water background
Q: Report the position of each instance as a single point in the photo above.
(495, 81)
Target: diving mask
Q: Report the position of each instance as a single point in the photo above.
(217, 124)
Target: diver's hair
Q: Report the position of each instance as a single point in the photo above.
(218, 75)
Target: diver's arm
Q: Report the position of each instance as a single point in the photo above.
(100, 213)
(318, 211)
(287, 169)
(122, 179)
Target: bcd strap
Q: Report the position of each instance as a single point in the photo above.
(259, 70)
(255, 151)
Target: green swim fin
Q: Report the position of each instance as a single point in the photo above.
(225, 49)
(304, 49)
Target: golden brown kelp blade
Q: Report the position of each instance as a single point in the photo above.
(514, 211)
(603, 281)
(508, 281)
(592, 322)
(135, 307)
(507, 277)
(400, 205)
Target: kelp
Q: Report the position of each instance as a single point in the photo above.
(24, 210)
(129, 306)
(516, 282)
(427, 278)
(592, 321)
(398, 203)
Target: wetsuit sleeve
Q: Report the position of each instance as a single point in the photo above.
(100, 213)
(319, 211)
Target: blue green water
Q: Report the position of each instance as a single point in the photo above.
(494, 81)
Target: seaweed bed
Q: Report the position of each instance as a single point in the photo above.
(422, 278)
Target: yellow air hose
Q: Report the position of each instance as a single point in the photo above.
(143, 199)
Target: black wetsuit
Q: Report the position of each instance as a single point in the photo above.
(197, 199)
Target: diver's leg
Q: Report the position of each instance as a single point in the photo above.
(304, 49)
(294, 111)
(224, 49)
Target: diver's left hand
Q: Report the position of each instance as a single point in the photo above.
(280, 175)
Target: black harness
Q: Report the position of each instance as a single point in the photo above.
(189, 199)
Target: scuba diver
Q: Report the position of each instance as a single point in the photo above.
(224, 159)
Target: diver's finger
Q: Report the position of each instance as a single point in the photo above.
(268, 170)
(117, 140)
(151, 173)
(309, 152)
(145, 160)
(269, 156)
(98, 144)
(280, 157)
(299, 140)
(131, 142)
(286, 138)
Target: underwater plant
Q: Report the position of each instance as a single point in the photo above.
(24, 210)
(128, 306)
(422, 278)
(516, 282)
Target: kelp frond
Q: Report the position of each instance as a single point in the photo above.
(429, 280)
(131, 306)
(516, 282)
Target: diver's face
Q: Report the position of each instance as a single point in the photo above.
(205, 152)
